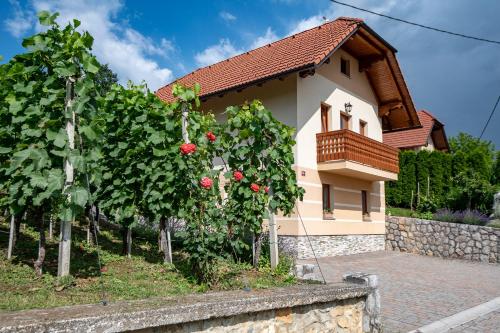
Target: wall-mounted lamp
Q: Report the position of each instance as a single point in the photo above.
(348, 107)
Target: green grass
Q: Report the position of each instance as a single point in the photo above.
(394, 211)
(142, 276)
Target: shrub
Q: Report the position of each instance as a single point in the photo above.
(466, 216)
(474, 217)
(446, 215)
(426, 204)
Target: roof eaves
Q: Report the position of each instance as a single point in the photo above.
(260, 80)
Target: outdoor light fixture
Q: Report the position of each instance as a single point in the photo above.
(348, 107)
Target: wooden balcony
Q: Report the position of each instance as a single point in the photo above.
(351, 154)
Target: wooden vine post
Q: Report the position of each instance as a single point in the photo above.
(65, 235)
(273, 234)
(12, 236)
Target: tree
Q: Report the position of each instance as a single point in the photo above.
(47, 97)
(104, 79)
(496, 170)
(473, 154)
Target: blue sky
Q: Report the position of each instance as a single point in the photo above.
(458, 80)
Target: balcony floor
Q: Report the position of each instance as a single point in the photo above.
(356, 170)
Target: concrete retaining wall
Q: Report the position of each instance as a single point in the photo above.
(443, 239)
(343, 307)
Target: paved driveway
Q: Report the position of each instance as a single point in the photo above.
(418, 290)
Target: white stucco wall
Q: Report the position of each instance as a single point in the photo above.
(332, 87)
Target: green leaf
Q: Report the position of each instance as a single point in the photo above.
(88, 132)
(66, 71)
(46, 19)
(60, 139)
(79, 196)
(5, 150)
(90, 64)
(159, 152)
(37, 180)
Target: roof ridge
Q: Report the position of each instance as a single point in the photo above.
(342, 18)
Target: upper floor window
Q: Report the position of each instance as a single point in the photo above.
(345, 67)
(325, 115)
(362, 127)
(344, 120)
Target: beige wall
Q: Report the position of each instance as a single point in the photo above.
(332, 87)
(297, 102)
(278, 96)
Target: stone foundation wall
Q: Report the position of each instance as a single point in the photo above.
(329, 246)
(443, 239)
(343, 307)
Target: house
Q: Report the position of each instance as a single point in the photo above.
(430, 136)
(340, 85)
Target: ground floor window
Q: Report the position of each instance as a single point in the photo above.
(327, 204)
(364, 203)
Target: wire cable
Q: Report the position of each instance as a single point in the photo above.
(310, 244)
(417, 24)
(489, 118)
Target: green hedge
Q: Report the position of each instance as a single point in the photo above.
(466, 178)
(424, 172)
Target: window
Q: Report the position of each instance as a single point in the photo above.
(325, 112)
(362, 127)
(345, 67)
(327, 203)
(344, 120)
(364, 203)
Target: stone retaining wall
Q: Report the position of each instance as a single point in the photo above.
(443, 239)
(342, 307)
(328, 246)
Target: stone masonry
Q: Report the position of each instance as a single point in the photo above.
(329, 246)
(443, 239)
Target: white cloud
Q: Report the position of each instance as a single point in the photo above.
(128, 52)
(306, 23)
(226, 16)
(21, 22)
(268, 37)
(333, 11)
(215, 53)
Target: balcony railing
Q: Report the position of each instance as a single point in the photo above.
(351, 146)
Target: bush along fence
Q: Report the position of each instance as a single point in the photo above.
(442, 239)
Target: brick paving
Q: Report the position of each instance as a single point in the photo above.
(418, 290)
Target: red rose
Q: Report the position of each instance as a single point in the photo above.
(237, 175)
(211, 137)
(206, 182)
(266, 189)
(255, 187)
(188, 148)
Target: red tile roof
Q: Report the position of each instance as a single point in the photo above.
(414, 137)
(302, 50)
